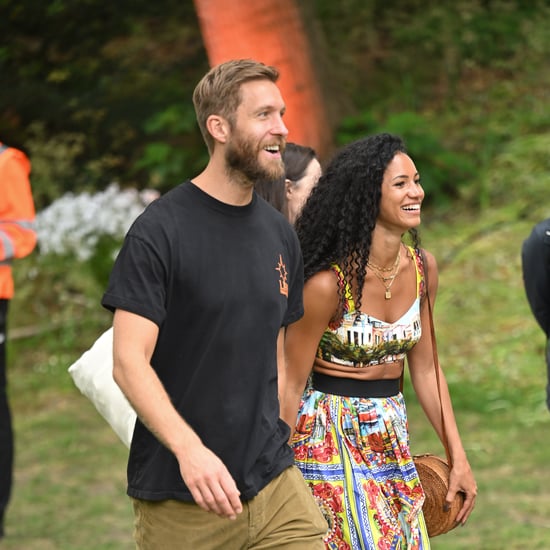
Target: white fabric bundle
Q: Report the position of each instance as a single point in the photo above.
(93, 375)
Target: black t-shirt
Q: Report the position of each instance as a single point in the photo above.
(535, 256)
(219, 281)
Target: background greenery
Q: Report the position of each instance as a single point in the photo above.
(100, 92)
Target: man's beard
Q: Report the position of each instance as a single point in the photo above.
(241, 159)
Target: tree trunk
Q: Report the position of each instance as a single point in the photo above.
(273, 33)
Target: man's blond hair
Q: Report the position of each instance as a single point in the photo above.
(219, 91)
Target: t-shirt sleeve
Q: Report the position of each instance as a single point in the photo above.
(138, 280)
(295, 309)
(536, 272)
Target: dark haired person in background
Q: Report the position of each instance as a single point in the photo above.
(289, 193)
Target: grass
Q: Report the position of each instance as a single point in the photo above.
(70, 467)
(493, 354)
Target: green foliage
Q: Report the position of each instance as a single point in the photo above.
(442, 171)
(53, 161)
(101, 263)
(167, 161)
(101, 93)
(518, 176)
(99, 72)
(414, 51)
(465, 77)
(57, 291)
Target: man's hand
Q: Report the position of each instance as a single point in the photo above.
(210, 483)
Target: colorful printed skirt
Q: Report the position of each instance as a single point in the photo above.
(354, 454)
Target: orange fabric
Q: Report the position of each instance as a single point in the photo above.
(17, 214)
(273, 33)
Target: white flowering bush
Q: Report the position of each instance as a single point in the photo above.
(75, 224)
(89, 228)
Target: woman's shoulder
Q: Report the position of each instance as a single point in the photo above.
(325, 281)
(323, 285)
(321, 295)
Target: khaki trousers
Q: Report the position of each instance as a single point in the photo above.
(283, 516)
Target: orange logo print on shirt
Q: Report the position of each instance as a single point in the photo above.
(283, 282)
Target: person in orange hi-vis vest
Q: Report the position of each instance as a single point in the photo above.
(17, 239)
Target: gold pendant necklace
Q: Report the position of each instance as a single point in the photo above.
(387, 281)
(385, 269)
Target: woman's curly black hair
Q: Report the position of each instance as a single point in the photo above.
(337, 221)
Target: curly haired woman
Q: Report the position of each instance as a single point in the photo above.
(364, 314)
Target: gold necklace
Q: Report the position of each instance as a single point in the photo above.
(390, 278)
(386, 269)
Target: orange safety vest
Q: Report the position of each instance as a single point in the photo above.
(17, 234)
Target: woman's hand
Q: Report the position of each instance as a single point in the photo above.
(462, 479)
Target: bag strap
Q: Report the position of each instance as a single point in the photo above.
(436, 359)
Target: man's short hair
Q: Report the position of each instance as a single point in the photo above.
(219, 91)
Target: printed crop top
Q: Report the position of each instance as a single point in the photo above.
(362, 340)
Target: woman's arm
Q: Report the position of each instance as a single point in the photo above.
(281, 363)
(302, 340)
(423, 377)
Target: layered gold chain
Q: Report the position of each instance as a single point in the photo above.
(386, 280)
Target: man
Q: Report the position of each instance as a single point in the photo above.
(535, 255)
(17, 239)
(206, 281)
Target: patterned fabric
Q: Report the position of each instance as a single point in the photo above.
(361, 340)
(354, 454)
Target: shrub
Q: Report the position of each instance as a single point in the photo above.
(90, 227)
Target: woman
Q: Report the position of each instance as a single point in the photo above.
(302, 171)
(364, 314)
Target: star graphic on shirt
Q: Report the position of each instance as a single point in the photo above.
(283, 274)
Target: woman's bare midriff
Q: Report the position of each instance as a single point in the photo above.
(384, 371)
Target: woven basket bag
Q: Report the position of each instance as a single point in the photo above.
(433, 472)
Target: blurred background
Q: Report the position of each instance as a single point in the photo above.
(100, 92)
(99, 96)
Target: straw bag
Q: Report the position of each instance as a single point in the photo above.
(433, 471)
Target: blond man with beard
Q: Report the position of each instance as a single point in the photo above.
(207, 280)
